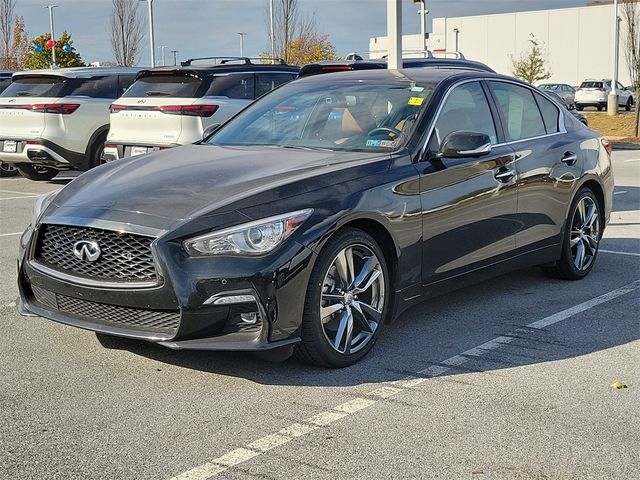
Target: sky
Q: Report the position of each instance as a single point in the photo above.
(210, 27)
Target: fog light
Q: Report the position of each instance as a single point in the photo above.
(249, 318)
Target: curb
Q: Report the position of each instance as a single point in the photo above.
(625, 146)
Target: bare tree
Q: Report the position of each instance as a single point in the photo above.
(7, 8)
(531, 66)
(127, 31)
(289, 25)
(631, 16)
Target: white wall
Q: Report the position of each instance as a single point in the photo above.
(577, 42)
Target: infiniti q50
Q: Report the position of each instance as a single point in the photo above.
(320, 213)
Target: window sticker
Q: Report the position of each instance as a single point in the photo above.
(417, 101)
(381, 143)
(417, 89)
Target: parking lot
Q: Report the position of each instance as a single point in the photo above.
(510, 379)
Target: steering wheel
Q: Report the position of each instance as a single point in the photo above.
(386, 130)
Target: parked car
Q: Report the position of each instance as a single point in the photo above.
(52, 120)
(356, 63)
(570, 108)
(564, 91)
(311, 231)
(595, 93)
(171, 106)
(6, 169)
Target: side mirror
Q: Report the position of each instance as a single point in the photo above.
(465, 145)
(210, 130)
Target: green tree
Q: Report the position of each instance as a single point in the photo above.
(64, 59)
(531, 66)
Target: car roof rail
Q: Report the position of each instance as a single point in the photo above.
(226, 60)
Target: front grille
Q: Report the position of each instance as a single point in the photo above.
(125, 257)
(156, 321)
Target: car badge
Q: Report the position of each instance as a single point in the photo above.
(87, 250)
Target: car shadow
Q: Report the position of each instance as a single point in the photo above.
(436, 330)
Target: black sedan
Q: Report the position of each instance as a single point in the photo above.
(320, 213)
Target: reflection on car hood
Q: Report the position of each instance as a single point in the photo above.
(187, 181)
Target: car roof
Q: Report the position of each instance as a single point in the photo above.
(332, 66)
(421, 75)
(79, 72)
(204, 69)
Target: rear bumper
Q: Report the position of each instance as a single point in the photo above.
(117, 151)
(41, 152)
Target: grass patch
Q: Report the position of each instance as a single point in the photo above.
(618, 128)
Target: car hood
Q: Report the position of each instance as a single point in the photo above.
(173, 185)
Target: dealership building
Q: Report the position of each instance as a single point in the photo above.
(577, 42)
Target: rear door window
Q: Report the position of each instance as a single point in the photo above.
(591, 85)
(550, 114)
(124, 82)
(519, 110)
(265, 82)
(95, 87)
(36, 86)
(239, 86)
(162, 85)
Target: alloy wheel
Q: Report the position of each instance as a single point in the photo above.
(585, 233)
(352, 299)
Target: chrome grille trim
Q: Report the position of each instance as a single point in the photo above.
(126, 262)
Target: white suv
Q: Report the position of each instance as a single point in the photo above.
(171, 106)
(53, 120)
(595, 93)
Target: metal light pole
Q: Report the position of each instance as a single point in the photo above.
(164, 61)
(457, 32)
(612, 104)
(53, 50)
(152, 40)
(241, 43)
(175, 57)
(394, 34)
(273, 33)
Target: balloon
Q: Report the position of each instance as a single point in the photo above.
(50, 44)
(38, 48)
(67, 48)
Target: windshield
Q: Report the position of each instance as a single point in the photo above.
(165, 85)
(35, 87)
(354, 116)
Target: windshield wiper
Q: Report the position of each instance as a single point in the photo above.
(156, 93)
(300, 147)
(24, 94)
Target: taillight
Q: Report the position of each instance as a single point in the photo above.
(608, 146)
(189, 110)
(115, 108)
(60, 108)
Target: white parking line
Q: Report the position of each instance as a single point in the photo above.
(620, 253)
(18, 198)
(18, 193)
(339, 412)
(620, 192)
(10, 234)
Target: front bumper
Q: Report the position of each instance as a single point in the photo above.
(183, 311)
(41, 152)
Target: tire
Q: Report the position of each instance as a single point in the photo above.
(579, 108)
(95, 154)
(599, 108)
(36, 172)
(361, 311)
(629, 104)
(586, 239)
(8, 170)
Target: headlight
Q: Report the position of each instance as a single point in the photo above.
(255, 238)
(41, 204)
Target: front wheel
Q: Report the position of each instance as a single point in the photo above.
(579, 108)
(581, 239)
(36, 172)
(629, 104)
(348, 299)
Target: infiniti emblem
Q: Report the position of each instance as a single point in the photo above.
(87, 250)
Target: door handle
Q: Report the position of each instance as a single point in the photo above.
(504, 174)
(569, 158)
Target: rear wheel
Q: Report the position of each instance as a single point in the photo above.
(96, 152)
(581, 239)
(579, 108)
(36, 172)
(347, 301)
(8, 170)
(600, 108)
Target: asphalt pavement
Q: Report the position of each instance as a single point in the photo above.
(509, 379)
